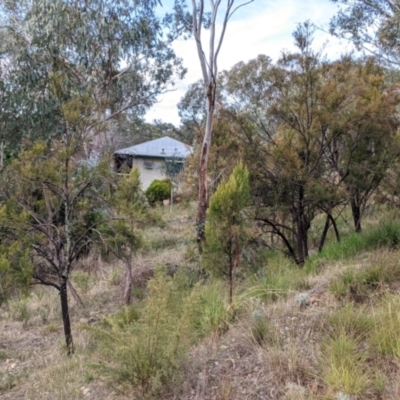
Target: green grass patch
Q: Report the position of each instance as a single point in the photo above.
(344, 365)
(385, 335)
(356, 322)
(209, 309)
(277, 279)
(359, 284)
(384, 235)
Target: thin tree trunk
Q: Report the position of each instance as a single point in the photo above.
(65, 315)
(301, 240)
(128, 282)
(356, 212)
(209, 69)
(231, 266)
(1, 153)
(306, 226)
(171, 200)
(335, 227)
(324, 234)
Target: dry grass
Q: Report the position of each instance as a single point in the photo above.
(343, 340)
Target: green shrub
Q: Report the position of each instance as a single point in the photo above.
(81, 280)
(225, 229)
(141, 350)
(158, 191)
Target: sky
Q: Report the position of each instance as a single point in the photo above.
(262, 27)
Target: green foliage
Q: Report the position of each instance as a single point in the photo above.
(19, 310)
(298, 169)
(158, 191)
(129, 198)
(81, 280)
(353, 21)
(225, 226)
(16, 269)
(55, 207)
(68, 58)
(262, 332)
(209, 309)
(126, 316)
(141, 350)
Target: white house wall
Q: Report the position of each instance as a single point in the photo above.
(148, 175)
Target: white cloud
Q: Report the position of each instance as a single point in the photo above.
(264, 27)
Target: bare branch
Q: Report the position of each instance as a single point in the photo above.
(44, 282)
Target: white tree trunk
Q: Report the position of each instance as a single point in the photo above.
(209, 70)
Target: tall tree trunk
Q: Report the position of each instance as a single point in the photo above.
(205, 150)
(209, 69)
(65, 315)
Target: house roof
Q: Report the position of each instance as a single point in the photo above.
(162, 147)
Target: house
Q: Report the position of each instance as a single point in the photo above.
(153, 158)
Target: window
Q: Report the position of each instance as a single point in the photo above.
(149, 164)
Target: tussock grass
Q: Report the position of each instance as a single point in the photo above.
(343, 365)
(356, 322)
(210, 311)
(361, 345)
(277, 279)
(385, 334)
(360, 284)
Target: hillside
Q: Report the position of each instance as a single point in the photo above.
(330, 330)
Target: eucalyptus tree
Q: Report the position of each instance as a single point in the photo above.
(116, 52)
(209, 67)
(371, 25)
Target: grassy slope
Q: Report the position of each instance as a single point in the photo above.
(331, 331)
